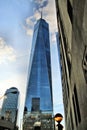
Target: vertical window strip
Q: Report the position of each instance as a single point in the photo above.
(74, 110)
(77, 105)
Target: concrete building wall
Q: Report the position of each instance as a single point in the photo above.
(79, 63)
(65, 37)
(72, 26)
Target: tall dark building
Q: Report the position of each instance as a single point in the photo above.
(72, 26)
(39, 88)
(9, 109)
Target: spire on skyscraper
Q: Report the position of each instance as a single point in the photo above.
(41, 13)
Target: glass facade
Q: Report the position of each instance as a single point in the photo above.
(39, 84)
(10, 104)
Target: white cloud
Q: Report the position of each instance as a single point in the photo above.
(38, 1)
(36, 15)
(7, 53)
(30, 21)
(29, 32)
(41, 3)
(49, 14)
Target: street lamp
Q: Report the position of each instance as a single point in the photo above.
(58, 118)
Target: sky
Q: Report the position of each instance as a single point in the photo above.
(17, 19)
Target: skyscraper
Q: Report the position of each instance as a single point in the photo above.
(39, 87)
(9, 108)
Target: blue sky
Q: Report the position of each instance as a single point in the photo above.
(17, 19)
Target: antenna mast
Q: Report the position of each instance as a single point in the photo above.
(41, 13)
(41, 10)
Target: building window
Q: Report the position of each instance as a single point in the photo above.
(70, 10)
(8, 115)
(84, 63)
(35, 104)
(76, 107)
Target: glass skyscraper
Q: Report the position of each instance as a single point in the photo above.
(9, 110)
(10, 104)
(39, 80)
(39, 86)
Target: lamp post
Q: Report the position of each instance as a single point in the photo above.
(58, 118)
